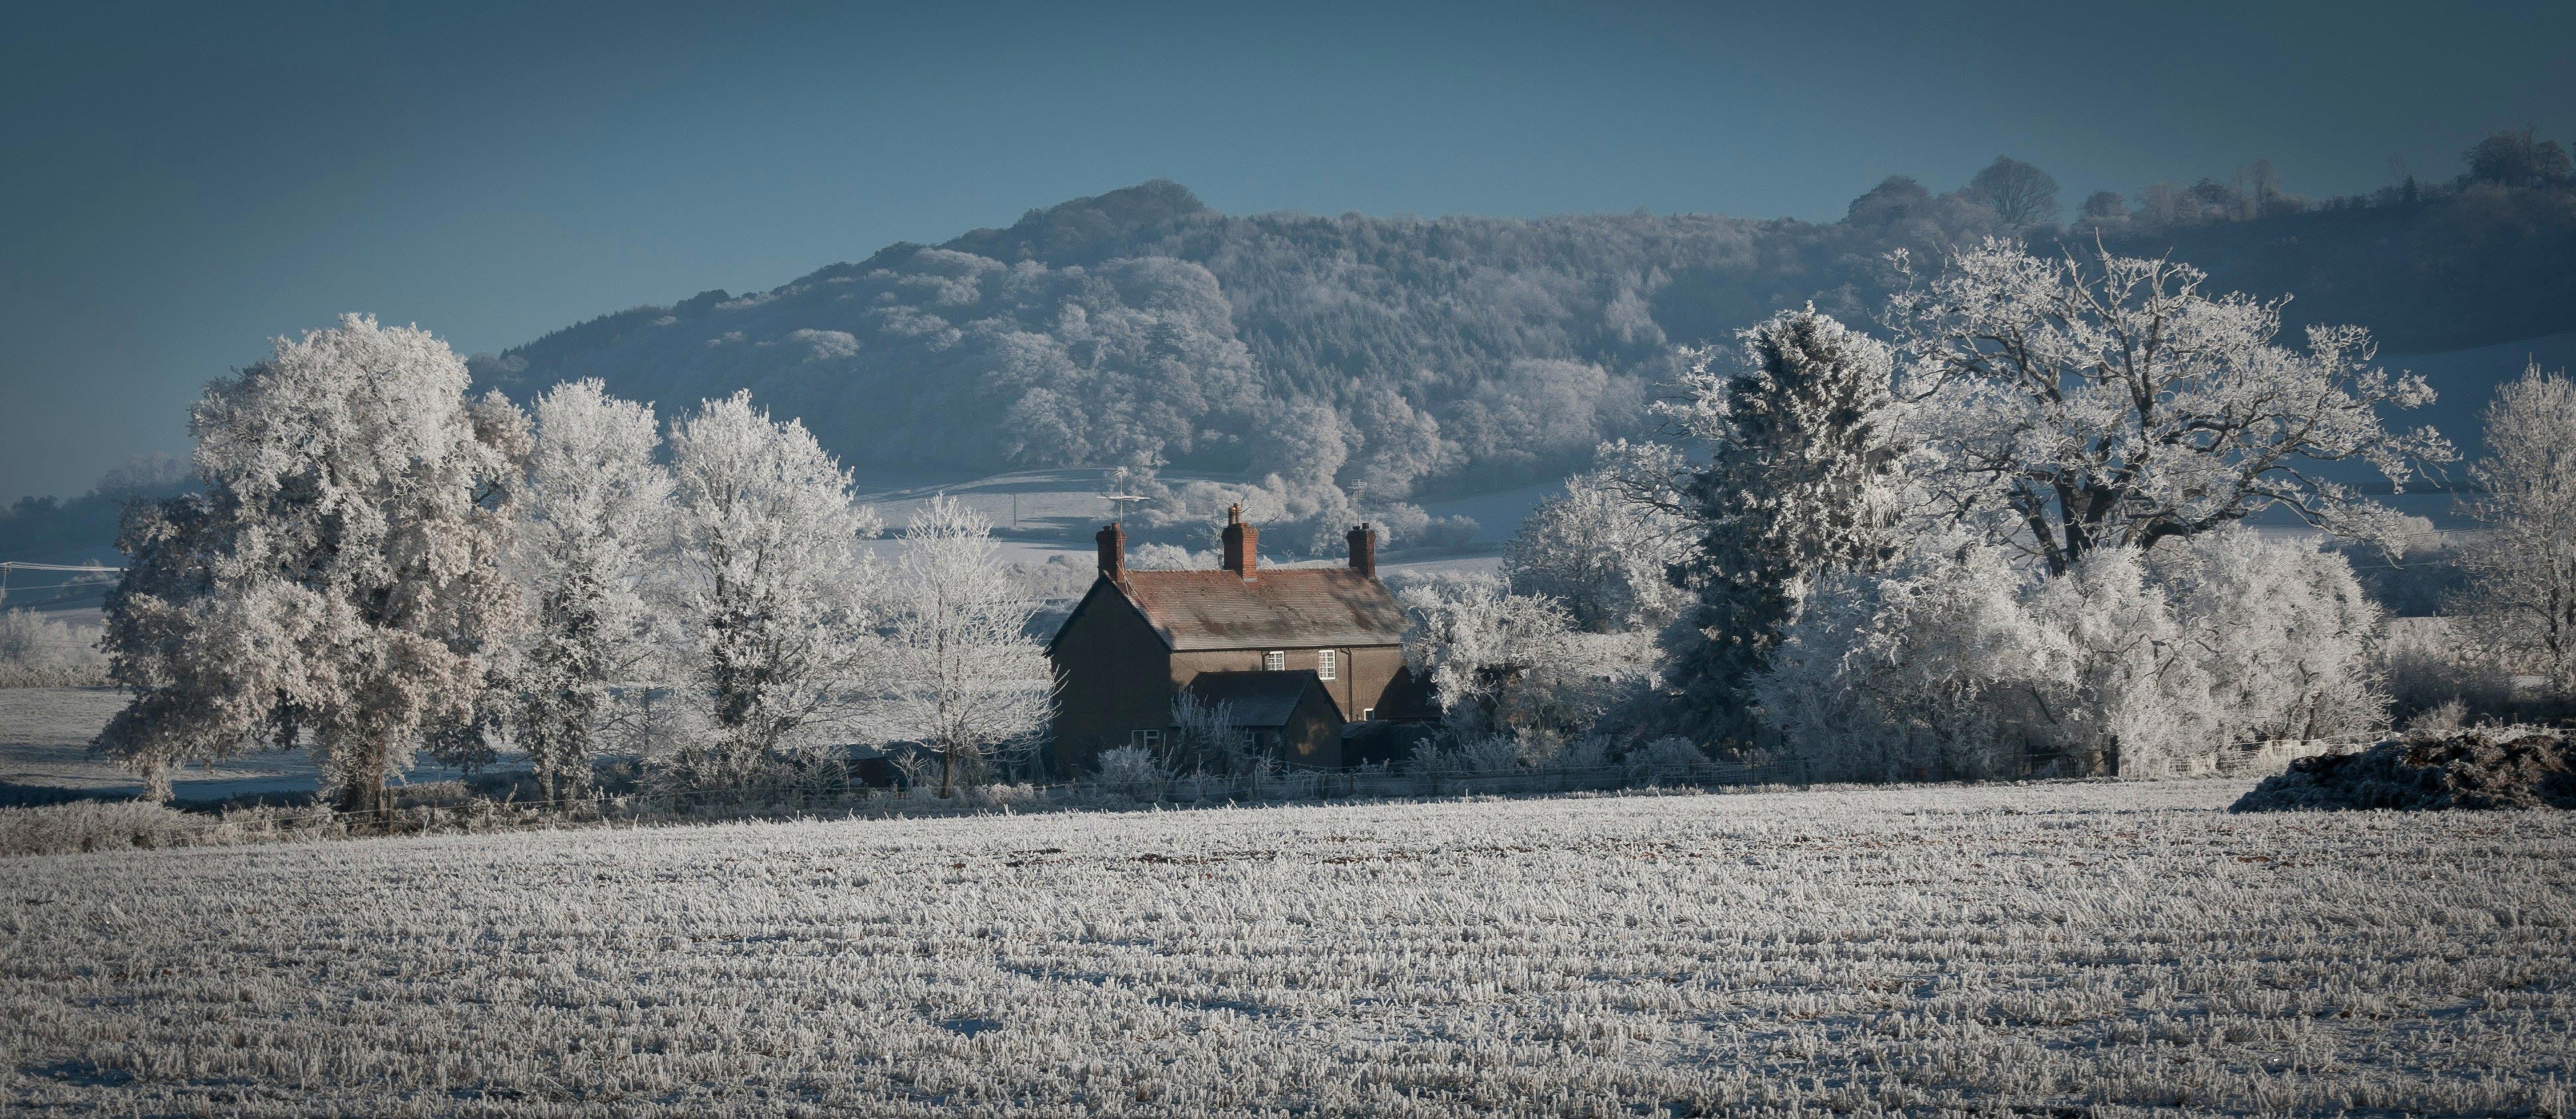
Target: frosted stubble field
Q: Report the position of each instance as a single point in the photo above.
(2086, 945)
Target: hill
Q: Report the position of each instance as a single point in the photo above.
(1351, 366)
(1412, 359)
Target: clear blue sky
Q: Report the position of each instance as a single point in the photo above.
(184, 182)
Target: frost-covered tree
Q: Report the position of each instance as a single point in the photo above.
(1931, 667)
(773, 592)
(2283, 635)
(339, 581)
(1796, 484)
(2074, 403)
(1959, 660)
(2121, 685)
(1503, 663)
(965, 677)
(595, 513)
(1170, 557)
(2521, 603)
(1604, 548)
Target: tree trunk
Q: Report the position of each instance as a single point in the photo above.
(947, 766)
(367, 799)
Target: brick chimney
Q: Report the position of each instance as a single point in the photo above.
(1241, 540)
(1113, 552)
(1364, 550)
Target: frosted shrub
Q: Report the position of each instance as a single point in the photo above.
(1205, 734)
(96, 826)
(39, 652)
(1429, 758)
(116, 825)
(1963, 663)
(1934, 670)
(1002, 797)
(2127, 688)
(1588, 751)
(2446, 716)
(1665, 758)
(2284, 635)
(1493, 753)
(2426, 663)
(1504, 662)
(1132, 771)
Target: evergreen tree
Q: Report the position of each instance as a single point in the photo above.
(1796, 484)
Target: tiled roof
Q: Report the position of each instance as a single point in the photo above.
(1261, 700)
(1290, 608)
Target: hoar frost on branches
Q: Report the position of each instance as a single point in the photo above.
(2080, 440)
(1205, 733)
(2070, 404)
(339, 582)
(2521, 608)
(1605, 547)
(966, 679)
(1958, 660)
(595, 513)
(1513, 664)
(774, 595)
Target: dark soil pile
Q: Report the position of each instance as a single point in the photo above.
(2483, 767)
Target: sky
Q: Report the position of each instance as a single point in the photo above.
(183, 183)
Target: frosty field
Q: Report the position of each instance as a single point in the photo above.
(2071, 946)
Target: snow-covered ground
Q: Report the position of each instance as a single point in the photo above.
(2049, 947)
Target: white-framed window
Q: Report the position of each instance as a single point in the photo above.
(1367, 713)
(1149, 739)
(1325, 664)
(1276, 660)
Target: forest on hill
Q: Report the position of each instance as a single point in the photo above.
(1353, 364)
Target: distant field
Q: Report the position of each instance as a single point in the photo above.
(2060, 948)
(1039, 514)
(44, 743)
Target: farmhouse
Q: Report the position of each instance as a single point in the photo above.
(1297, 652)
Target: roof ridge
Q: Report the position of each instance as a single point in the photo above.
(1294, 607)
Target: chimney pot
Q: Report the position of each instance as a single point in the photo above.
(1113, 552)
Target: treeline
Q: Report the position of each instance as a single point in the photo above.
(379, 565)
(2006, 540)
